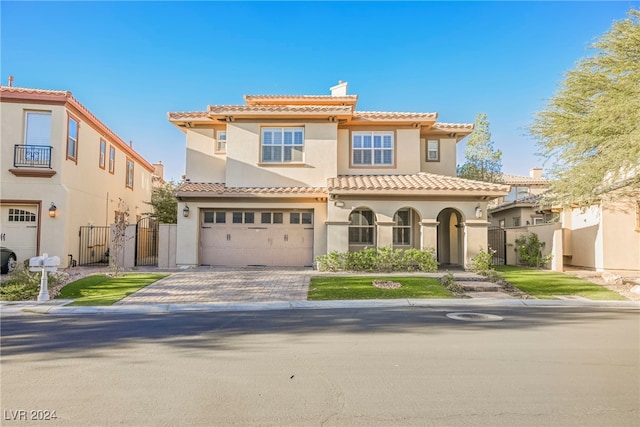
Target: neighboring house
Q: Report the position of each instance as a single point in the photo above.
(62, 168)
(283, 179)
(521, 212)
(605, 236)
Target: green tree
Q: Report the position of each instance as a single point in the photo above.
(483, 162)
(164, 203)
(590, 128)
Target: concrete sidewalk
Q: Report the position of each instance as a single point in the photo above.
(56, 307)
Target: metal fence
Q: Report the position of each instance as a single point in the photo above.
(497, 239)
(32, 156)
(94, 245)
(147, 241)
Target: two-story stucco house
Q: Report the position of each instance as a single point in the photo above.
(63, 169)
(282, 179)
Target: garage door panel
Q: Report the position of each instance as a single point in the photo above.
(19, 230)
(242, 244)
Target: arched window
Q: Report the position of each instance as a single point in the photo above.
(402, 227)
(361, 227)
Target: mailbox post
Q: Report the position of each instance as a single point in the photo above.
(44, 264)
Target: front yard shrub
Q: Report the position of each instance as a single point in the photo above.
(530, 251)
(450, 284)
(482, 263)
(379, 259)
(24, 285)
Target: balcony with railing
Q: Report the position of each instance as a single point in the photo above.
(32, 161)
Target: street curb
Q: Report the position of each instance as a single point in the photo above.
(27, 308)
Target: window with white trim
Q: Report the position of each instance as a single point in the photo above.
(361, 227)
(282, 145)
(112, 159)
(221, 141)
(433, 150)
(402, 227)
(103, 153)
(20, 215)
(129, 173)
(372, 148)
(72, 139)
(37, 128)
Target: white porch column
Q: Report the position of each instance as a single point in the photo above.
(384, 233)
(429, 234)
(475, 238)
(337, 236)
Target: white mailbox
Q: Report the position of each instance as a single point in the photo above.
(44, 264)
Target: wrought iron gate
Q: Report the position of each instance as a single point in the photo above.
(94, 245)
(498, 242)
(147, 241)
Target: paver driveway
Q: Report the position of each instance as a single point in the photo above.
(225, 285)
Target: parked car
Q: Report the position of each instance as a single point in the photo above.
(9, 260)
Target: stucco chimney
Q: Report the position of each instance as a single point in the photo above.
(536, 173)
(340, 89)
(10, 81)
(158, 170)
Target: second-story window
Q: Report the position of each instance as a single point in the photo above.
(221, 141)
(433, 150)
(130, 173)
(103, 153)
(372, 149)
(282, 145)
(112, 159)
(37, 128)
(72, 139)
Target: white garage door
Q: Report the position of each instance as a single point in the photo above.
(271, 238)
(19, 230)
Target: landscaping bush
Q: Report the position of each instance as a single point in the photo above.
(379, 259)
(24, 285)
(482, 263)
(530, 251)
(450, 284)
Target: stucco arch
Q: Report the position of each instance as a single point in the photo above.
(407, 235)
(450, 237)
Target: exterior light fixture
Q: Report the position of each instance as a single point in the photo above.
(185, 211)
(478, 211)
(339, 204)
(53, 210)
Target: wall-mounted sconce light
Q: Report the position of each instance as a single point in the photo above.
(339, 204)
(185, 211)
(53, 210)
(478, 211)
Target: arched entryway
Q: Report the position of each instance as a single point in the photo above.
(450, 237)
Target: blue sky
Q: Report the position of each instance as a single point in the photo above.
(132, 62)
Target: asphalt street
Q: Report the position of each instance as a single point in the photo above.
(538, 366)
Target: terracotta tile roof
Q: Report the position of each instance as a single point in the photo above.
(219, 189)
(240, 109)
(421, 181)
(265, 99)
(386, 115)
(189, 115)
(453, 126)
(519, 179)
(65, 96)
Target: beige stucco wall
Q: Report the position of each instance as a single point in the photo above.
(586, 237)
(243, 167)
(407, 152)
(447, 164)
(83, 193)
(546, 234)
(620, 237)
(203, 163)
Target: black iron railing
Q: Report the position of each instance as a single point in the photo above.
(32, 156)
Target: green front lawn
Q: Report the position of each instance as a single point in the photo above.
(102, 290)
(548, 284)
(359, 287)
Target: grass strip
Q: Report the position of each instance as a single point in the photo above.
(549, 284)
(102, 290)
(361, 287)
